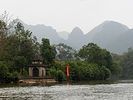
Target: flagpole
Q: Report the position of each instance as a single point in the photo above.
(67, 73)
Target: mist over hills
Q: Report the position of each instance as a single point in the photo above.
(106, 30)
(123, 42)
(76, 38)
(64, 34)
(111, 35)
(43, 31)
(107, 34)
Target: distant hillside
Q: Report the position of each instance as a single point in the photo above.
(43, 31)
(111, 35)
(106, 33)
(76, 38)
(123, 42)
(63, 35)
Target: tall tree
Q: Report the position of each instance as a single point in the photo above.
(127, 64)
(94, 54)
(65, 52)
(3, 36)
(48, 52)
(20, 47)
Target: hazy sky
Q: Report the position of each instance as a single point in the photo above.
(66, 14)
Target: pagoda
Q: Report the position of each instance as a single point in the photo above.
(37, 68)
(37, 74)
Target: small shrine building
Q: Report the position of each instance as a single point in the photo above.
(37, 68)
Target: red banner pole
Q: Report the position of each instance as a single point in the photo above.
(67, 72)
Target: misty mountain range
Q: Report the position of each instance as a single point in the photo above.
(111, 35)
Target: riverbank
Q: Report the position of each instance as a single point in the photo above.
(56, 83)
(36, 81)
(96, 82)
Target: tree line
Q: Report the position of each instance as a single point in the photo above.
(18, 47)
(125, 63)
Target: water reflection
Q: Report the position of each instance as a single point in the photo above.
(71, 92)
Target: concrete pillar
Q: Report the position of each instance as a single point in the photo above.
(30, 72)
(42, 72)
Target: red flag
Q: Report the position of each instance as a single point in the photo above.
(67, 70)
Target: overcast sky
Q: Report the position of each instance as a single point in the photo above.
(64, 15)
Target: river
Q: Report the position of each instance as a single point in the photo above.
(121, 91)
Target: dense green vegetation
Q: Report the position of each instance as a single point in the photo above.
(65, 52)
(125, 62)
(81, 71)
(90, 63)
(48, 52)
(18, 47)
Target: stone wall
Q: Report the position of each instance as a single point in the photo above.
(37, 81)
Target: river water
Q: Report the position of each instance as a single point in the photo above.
(121, 91)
